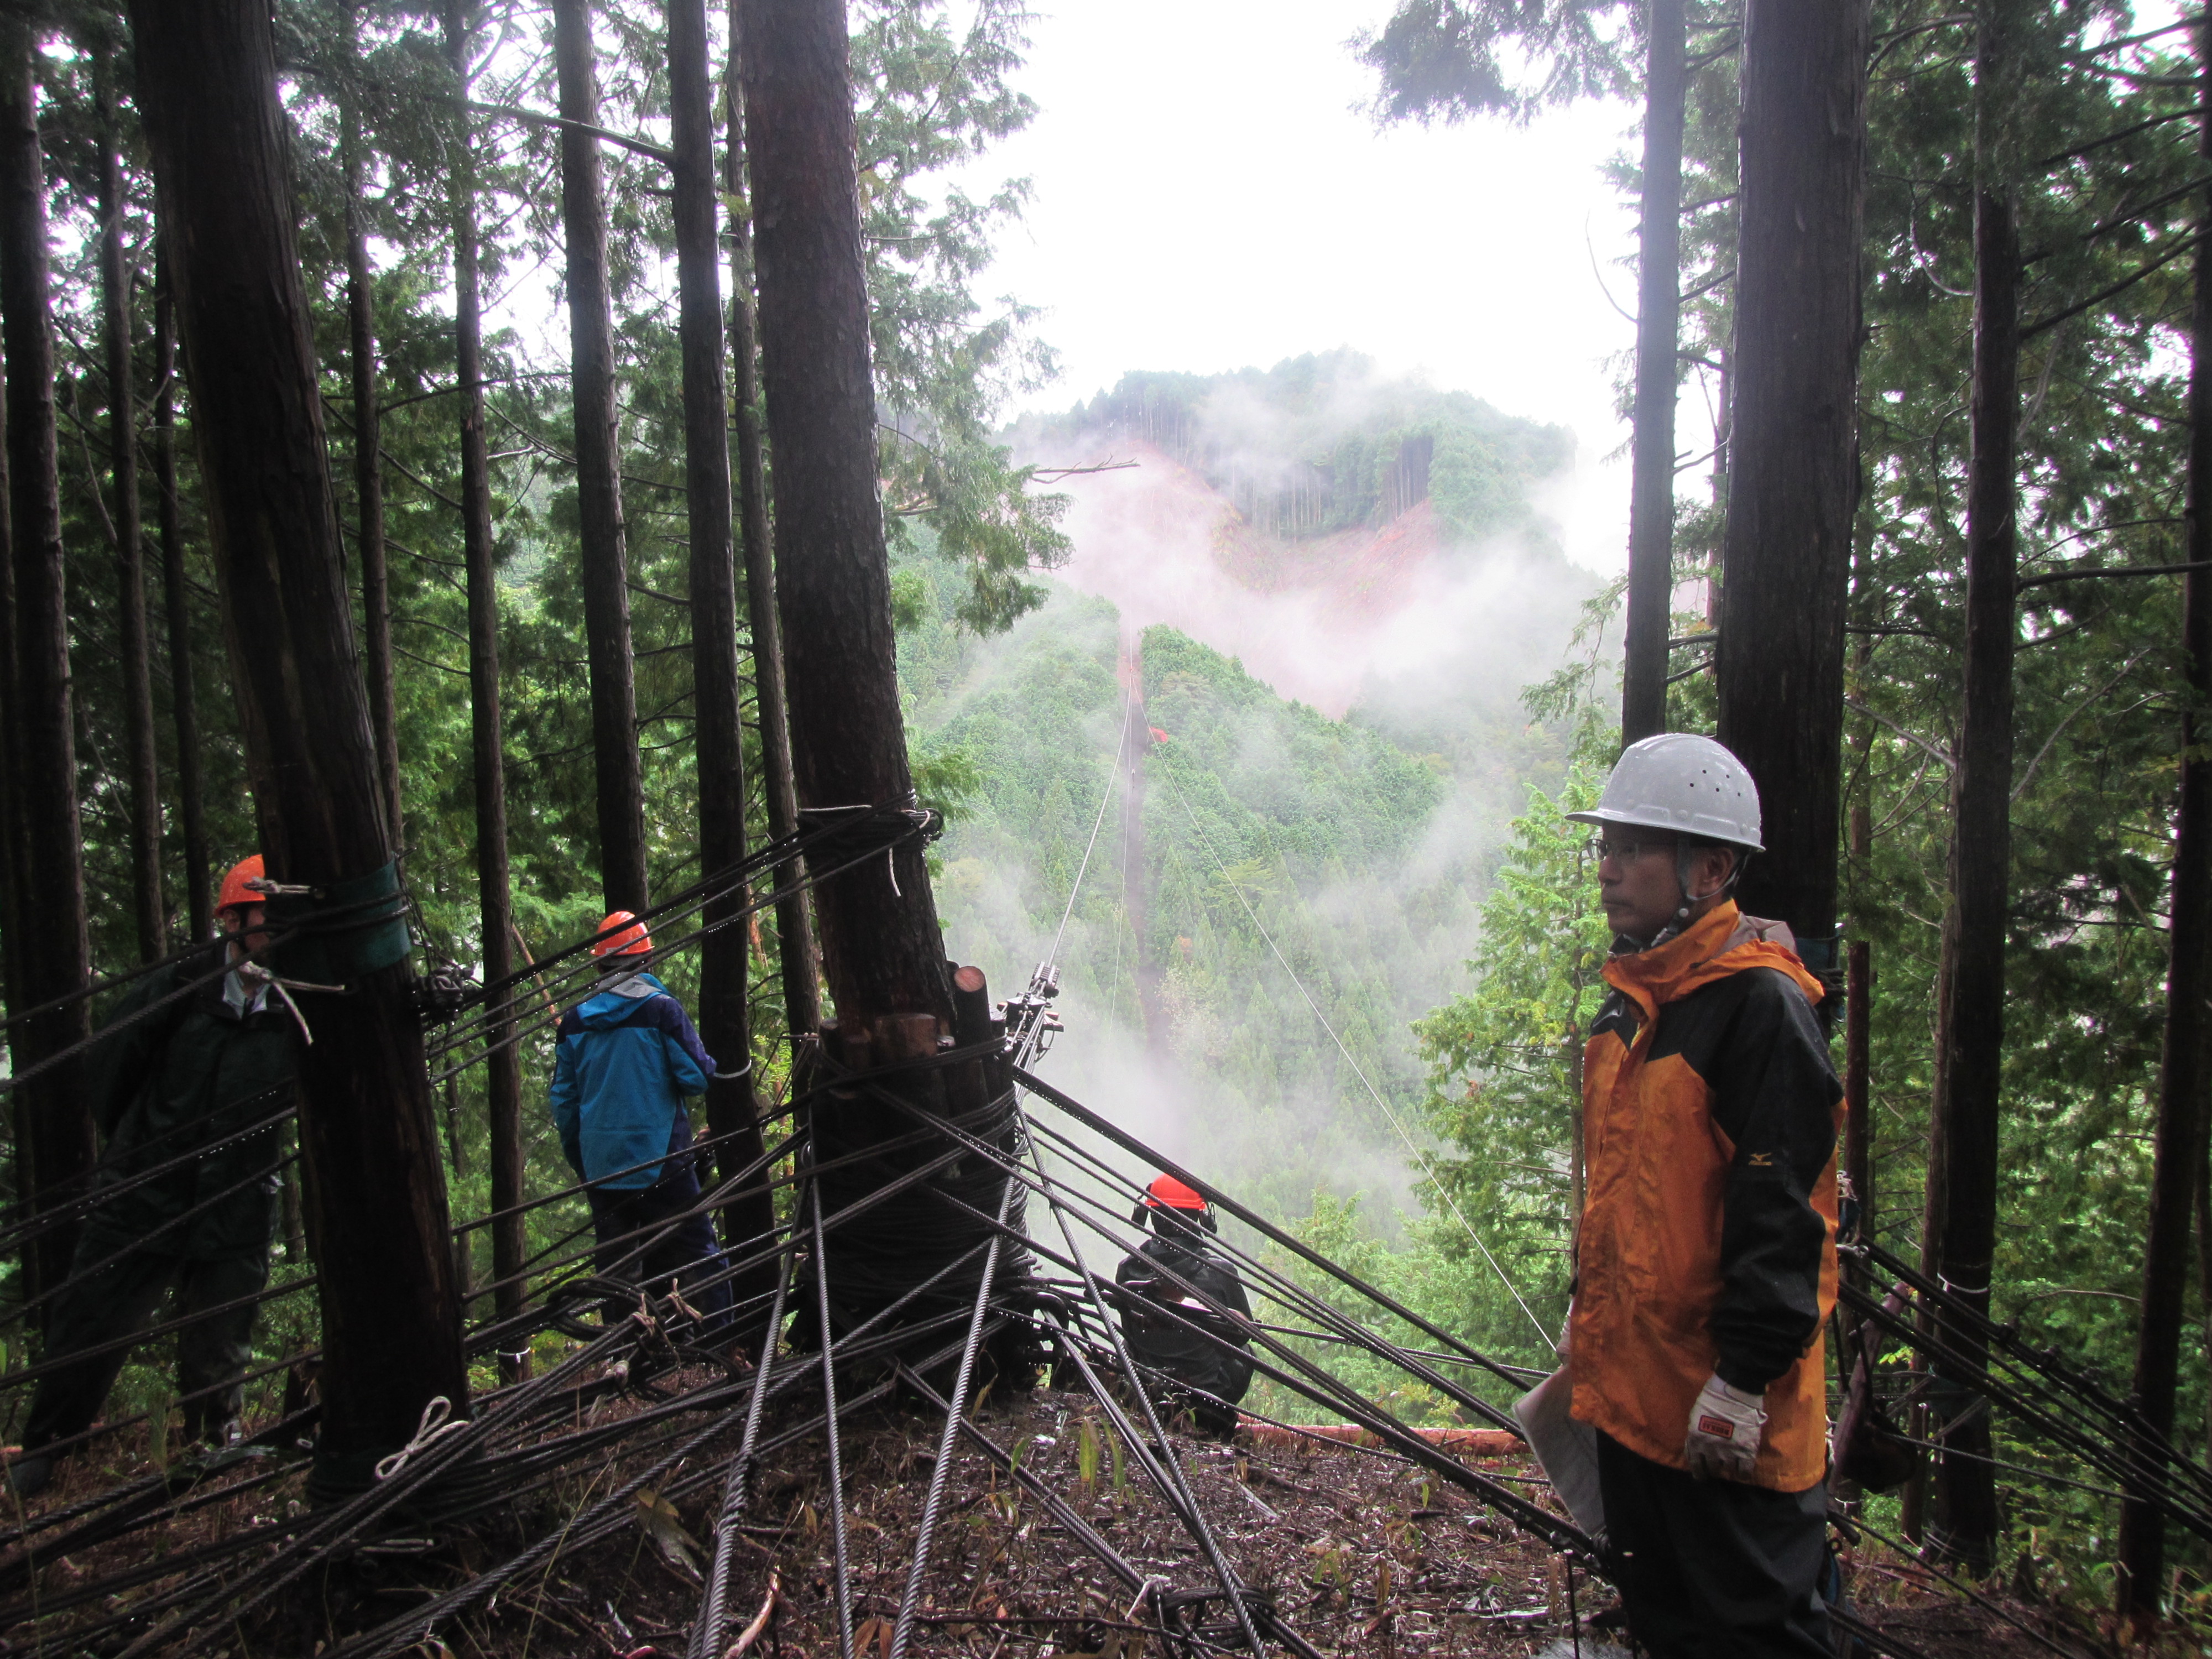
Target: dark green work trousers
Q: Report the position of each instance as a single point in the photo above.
(119, 1301)
(1712, 1569)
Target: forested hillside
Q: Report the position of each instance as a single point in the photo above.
(1257, 820)
(513, 466)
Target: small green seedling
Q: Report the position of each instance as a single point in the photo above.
(1086, 1453)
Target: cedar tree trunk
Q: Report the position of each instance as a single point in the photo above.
(54, 1142)
(1793, 474)
(368, 468)
(391, 1316)
(494, 895)
(12, 854)
(1970, 1032)
(1652, 487)
(142, 773)
(598, 469)
(799, 960)
(176, 598)
(882, 952)
(2185, 1072)
(724, 1026)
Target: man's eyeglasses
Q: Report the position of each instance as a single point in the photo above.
(1622, 850)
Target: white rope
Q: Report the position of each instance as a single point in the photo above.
(277, 986)
(1374, 1093)
(438, 1422)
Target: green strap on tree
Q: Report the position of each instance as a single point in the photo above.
(346, 931)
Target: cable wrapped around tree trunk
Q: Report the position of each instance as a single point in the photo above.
(883, 1251)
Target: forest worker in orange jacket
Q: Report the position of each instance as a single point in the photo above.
(1706, 1258)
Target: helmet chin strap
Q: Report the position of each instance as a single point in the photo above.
(1683, 853)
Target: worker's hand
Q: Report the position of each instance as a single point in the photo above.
(1725, 1424)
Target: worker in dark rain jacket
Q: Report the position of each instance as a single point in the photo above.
(1706, 1262)
(190, 1075)
(1166, 1286)
(626, 1060)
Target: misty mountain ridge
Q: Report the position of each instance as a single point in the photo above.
(1356, 542)
(1303, 617)
(1321, 445)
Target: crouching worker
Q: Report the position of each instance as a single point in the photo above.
(626, 1060)
(171, 1095)
(1706, 1262)
(1186, 1371)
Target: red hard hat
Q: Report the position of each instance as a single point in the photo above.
(1168, 1193)
(631, 941)
(236, 886)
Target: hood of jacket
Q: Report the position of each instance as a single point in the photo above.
(617, 1000)
(1722, 941)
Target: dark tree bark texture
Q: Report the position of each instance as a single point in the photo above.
(1652, 487)
(486, 730)
(883, 953)
(391, 1315)
(1793, 476)
(2185, 1072)
(12, 857)
(598, 469)
(799, 962)
(1858, 994)
(724, 1023)
(1970, 1034)
(176, 599)
(54, 1142)
(141, 770)
(369, 475)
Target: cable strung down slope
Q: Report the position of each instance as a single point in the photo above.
(638, 1421)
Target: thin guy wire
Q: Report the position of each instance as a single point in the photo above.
(1345, 1398)
(1412, 1145)
(1082, 1114)
(79, 1275)
(1282, 1288)
(1273, 1288)
(714, 1612)
(829, 1428)
(1054, 1193)
(1231, 1586)
(1075, 887)
(538, 1024)
(909, 1603)
(47, 1218)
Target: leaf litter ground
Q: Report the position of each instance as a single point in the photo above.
(1363, 1555)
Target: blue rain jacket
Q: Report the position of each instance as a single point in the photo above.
(626, 1058)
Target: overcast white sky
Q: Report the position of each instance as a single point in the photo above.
(1207, 197)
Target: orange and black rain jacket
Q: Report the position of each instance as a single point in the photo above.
(1708, 1240)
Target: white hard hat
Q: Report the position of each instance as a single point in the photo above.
(1681, 782)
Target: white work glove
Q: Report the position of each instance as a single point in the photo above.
(1724, 1429)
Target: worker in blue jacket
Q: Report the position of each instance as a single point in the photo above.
(627, 1059)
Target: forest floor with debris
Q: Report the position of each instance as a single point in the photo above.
(1361, 1554)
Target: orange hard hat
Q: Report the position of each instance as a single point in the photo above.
(1168, 1193)
(631, 941)
(238, 886)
